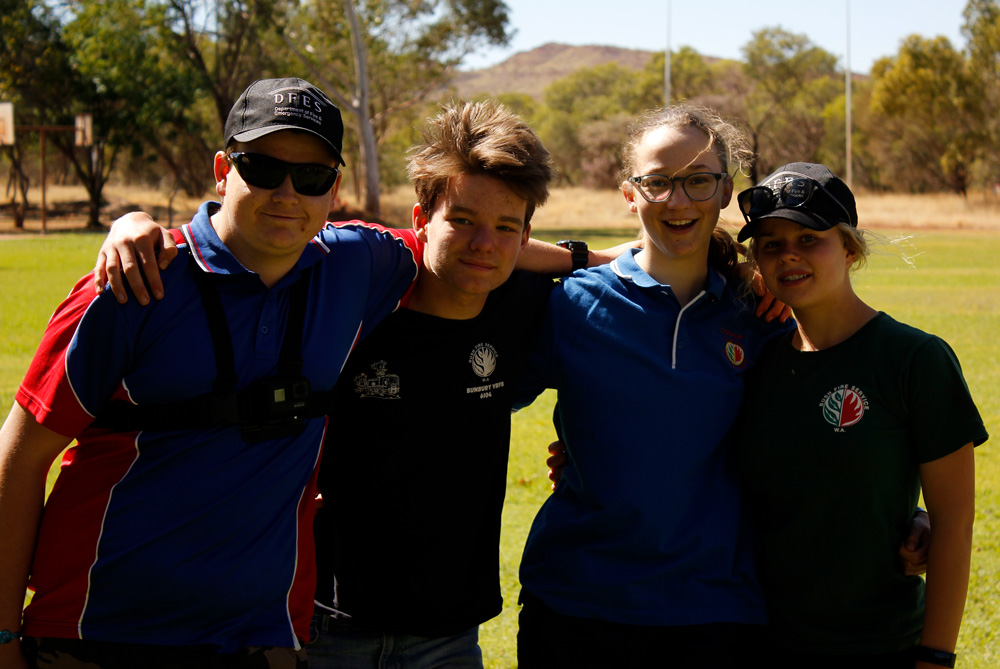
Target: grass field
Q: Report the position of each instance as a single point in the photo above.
(953, 289)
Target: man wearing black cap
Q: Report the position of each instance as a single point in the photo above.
(179, 531)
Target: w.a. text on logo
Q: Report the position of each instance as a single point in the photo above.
(844, 406)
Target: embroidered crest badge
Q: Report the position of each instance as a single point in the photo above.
(844, 406)
(735, 354)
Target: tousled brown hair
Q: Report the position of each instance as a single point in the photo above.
(480, 138)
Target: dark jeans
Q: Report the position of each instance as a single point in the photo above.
(53, 653)
(341, 645)
(549, 640)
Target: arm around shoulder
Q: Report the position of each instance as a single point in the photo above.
(546, 258)
(136, 247)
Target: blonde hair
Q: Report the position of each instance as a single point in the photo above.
(856, 241)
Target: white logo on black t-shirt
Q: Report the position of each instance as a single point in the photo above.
(383, 385)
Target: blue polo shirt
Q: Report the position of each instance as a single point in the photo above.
(647, 526)
(186, 536)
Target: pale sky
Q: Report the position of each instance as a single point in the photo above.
(722, 27)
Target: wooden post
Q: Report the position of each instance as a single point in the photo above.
(42, 129)
(44, 227)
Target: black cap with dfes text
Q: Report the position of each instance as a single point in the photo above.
(270, 105)
(808, 193)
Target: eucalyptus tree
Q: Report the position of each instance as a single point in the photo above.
(102, 57)
(982, 32)
(32, 58)
(788, 83)
(584, 119)
(927, 102)
(380, 59)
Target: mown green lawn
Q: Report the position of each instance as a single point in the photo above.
(953, 290)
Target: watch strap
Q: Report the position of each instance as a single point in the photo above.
(578, 249)
(941, 658)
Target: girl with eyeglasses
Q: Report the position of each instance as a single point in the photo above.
(872, 410)
(642, 556)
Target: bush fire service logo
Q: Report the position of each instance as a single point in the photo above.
(844, 406)
(483, 360)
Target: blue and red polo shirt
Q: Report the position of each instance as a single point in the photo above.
(186, 536)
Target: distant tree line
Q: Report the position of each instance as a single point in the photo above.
(926, 120)
(159, 77)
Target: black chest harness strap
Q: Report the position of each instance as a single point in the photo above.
(269, 408)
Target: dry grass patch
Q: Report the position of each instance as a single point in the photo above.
(583, 208)
(568, 208)
(932, 211)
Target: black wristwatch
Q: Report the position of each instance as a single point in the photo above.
(581, 254)
(934, 656)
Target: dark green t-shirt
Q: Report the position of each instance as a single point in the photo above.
(830, 457)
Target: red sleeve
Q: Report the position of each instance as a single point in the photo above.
(409, 238)
(46, 391)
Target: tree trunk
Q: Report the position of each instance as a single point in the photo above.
(754, 166)
(18, 183)
(96, 189)
(369, 152)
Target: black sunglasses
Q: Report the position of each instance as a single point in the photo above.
(264, 171)
(762, 200)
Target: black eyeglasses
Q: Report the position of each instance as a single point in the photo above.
(264, 171)
(699, 186)
(762, 200)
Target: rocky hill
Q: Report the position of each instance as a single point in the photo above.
(532, 71)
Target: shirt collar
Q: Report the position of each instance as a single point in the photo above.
(212, 255)
(626, 267)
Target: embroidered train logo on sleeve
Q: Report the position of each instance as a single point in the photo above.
(844, 406)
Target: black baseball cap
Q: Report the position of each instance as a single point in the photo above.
(807, 193)
(270, 105)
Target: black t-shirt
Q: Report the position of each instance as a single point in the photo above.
(415, 463)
